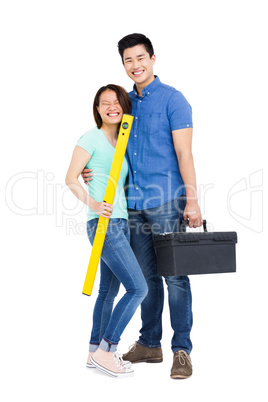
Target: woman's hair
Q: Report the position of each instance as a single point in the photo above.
(134, 40)
(122, 97)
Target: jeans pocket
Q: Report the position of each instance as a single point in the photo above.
(116, 228)
(92, 224)
(91, 229)
(114, 222)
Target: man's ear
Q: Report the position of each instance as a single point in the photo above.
(153, 58)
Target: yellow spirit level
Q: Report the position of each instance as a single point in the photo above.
(109, 198)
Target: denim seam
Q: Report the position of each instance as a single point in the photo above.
(118, 322)
(111, 343)
(102, 314)
(122, 262)
(152, 331)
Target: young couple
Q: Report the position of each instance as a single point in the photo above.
(161, 190)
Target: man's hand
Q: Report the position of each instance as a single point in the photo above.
(87, 175)
(192, 212)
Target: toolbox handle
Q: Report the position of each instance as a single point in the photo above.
(184, 223)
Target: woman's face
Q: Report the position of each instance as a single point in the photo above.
(109, 108)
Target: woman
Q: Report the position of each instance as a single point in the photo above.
(95, 150)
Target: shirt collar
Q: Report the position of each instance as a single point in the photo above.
(150, 88)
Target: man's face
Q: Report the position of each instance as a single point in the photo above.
(139, 65)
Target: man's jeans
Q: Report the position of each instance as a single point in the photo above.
(118, 265)
(143, 226)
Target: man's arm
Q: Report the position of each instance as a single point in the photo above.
(182, 140)
(87, 175)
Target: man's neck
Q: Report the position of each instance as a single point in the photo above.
(140, 87)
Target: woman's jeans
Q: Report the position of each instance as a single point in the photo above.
(143, 226)
(118, 265)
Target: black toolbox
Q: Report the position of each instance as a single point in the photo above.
(184, 253)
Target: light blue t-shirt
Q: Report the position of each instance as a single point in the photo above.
(102, 153)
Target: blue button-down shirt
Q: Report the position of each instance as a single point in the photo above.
(154, 174)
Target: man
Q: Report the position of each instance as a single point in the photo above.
(161, 191)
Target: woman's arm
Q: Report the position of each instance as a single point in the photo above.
(79, 160)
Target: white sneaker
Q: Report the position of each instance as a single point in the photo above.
(110, 363)
(89, 364)
(125, 363)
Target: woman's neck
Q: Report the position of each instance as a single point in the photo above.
(110, 130)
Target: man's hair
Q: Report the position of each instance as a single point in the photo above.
(134, 40)
(122, 97)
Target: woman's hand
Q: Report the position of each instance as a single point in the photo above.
(102, 209)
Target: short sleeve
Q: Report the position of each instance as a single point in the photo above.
(87, 142)
(179, 112)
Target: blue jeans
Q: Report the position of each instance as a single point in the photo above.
(143, 226)
(118, 265)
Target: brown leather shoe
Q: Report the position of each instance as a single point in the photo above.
(182, 365)
(138, 354)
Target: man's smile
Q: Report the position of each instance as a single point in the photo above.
(138, 73)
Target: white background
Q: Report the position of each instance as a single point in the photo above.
(54, 57)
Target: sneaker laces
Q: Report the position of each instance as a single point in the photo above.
(119, 357)
(118, 360)
(183, 357)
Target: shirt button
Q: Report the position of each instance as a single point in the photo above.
(136, 118)
(140, 101)
(135, 171)
(135, 153)
(137, 188)
(135, 135)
